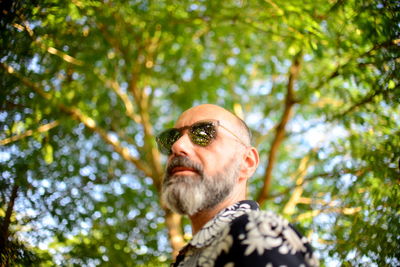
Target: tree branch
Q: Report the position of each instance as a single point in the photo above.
(342, 210)
(142, 102)
(363, 101)
(41, 129)
(114, 44)
(280, 129)
(5, 228)
(130, 112)
(297, 192)
(173, 223)
(356, 172)
(87, 121)
(51, 50)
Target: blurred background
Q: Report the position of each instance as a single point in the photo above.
(86, 85)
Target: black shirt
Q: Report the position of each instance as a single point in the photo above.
(243, 235)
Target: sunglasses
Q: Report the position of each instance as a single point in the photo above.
(201, 133)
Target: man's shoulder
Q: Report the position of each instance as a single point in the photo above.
(256, 217)
(264, 234)
(261, 224)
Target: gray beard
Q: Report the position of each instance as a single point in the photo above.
(191, 194)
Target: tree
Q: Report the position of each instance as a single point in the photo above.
(87, 84)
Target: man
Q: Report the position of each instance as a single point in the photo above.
(210, 159)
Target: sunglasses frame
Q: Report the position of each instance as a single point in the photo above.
(215, 123)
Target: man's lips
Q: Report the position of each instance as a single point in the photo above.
(181, 169)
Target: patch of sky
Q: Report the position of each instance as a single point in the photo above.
(17, 117)
(70, 168)
(142, 250)
(74, 192)
(81, 209)
(187, 75)
(6, 174)
(254, 119)
(124, 87)
(209, 65)
(111, 221)
(96, 215)
(75, 76)
(317, 135)
(281, 67)
(330, 166)
(162, 241)
(41, 191)
(15, 66)
(121, 63)
(139, 139)
(3, 116)
(45, 183)
(34, 65)
(222, 93)
(242, 92)
(261, 87)
(117, 188)
(150, 215)
(193, 7)
(130, 181)
(49, 221)
(280, 96)
(78, 130)
(153, 225)
(148, 90)
(132, 214)
(158, 92)
(117, 172)
(97, 193)
(149, 193)
(87, 170)
(308, 57)
(87, 145)
(65, 201)
(148, 181)
(231, 61)
(61, 186)
(160, 219)
(31, 212)
(121, 236)
(141, 205)
(103, 160)
(56, 81)
(115, 156)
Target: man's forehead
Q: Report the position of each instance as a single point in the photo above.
(204, 112)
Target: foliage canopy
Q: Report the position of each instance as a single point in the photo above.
(87, 84)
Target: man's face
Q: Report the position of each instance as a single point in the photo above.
(198, 178)
(188, 194)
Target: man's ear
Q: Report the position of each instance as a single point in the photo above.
(250, 163)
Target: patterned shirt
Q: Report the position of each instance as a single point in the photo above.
(243, 235)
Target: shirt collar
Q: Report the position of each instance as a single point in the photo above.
(213, 227)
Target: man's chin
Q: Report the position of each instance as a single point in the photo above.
(183, 178)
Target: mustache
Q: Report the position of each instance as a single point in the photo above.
(181, 161)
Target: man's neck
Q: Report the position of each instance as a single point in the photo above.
(199, 219)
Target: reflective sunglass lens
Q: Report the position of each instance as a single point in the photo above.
(166, 139)
(203, 133)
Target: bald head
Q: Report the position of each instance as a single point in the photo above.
(227, 118)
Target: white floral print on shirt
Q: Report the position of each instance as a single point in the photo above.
(267, 231)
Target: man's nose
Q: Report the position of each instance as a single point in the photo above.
(183, 146)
